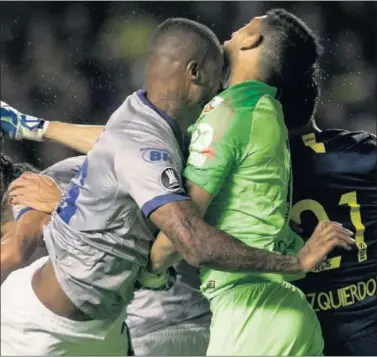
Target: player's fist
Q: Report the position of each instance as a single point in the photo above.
(324, 239)
(18, 126)
(35, 191)
(158, 282)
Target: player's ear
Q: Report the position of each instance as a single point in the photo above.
(194, 71)
(251, 41)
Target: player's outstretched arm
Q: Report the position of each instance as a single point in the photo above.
(21, 241)
(18, 126)
(204, 246)
(80, 138)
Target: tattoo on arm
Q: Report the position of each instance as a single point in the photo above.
(205, 246)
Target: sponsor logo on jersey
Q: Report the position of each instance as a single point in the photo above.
(170, 180)
(211, 285)
(200, 142)
(155, 155)
(213, 104)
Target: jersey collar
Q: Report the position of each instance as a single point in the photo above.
(142, 94)
(252, 87)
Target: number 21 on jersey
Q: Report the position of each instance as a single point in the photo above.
(350, 199)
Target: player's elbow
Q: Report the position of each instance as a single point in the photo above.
(181, 222)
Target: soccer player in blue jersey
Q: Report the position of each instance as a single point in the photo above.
(334, 175)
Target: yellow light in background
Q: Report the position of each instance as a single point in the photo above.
(126, 38)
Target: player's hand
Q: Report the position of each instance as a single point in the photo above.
(160, 282)
(326, 236)
(35, 191)
(19, 126)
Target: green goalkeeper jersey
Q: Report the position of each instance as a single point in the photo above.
(239, 153)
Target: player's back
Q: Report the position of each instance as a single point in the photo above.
(335, 179)
(99, 237)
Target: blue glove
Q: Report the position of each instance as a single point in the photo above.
(18, 126)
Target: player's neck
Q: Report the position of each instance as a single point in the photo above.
(238, 78)
(172, 104)
(239, 74)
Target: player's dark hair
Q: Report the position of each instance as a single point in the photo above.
(9, 171)
(289, 61)
(189, 37)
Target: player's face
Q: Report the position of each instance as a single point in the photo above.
(242, 37)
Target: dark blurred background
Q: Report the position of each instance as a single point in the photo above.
(77, 61)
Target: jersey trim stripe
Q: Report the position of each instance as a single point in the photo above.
(159, 201)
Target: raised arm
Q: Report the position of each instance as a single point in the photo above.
(18, 126)
(77, 137)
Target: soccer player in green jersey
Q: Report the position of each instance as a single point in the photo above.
(239, 169)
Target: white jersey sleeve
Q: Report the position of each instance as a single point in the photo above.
(150, 173)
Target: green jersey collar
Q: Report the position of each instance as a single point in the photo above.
(250, 88)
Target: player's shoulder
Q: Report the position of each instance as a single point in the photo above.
(63, 171)
(337, 140)
(225, 108)
(71, 164)
(135, 123)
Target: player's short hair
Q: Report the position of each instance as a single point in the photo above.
(289, 61)
(9, 171)
(184, 37)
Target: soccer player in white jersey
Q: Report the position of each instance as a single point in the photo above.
(98, 239)
(173, 322)
(99, 236)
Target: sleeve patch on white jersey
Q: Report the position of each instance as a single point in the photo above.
(170, 180)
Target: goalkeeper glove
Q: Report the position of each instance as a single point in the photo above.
(160, 282)
(18, 126)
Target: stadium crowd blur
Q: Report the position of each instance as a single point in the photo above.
(76, 62)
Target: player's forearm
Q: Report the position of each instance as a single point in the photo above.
(163, 255)
(204, 246)
(77, 137)
(21, 242)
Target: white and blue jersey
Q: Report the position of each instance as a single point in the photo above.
(149, 311)
(100, 235)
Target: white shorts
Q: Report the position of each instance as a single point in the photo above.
(184, 339)
(29, 328)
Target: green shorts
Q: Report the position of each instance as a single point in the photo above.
(267, 319)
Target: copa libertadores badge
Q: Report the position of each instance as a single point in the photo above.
(169, 179)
